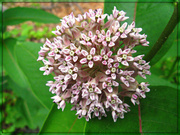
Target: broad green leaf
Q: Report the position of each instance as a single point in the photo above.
(27, 54)
(66, 121)
(158, 114)
(159, 110)
(36, 113)
(18, 15)
(10, 64)
(152, 18)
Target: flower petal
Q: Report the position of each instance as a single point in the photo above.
(111, 44)
(126, 51)
(119, 52)
(96, 58)
(108, 33)
(83, 60)
(131, 79)
(66, 51)
(97, 90)
(129, 58)
(92, 96)
(68, 58)
(67, 77)
(109, 53)
(74, 76)
(104, 62)
(116, 65)
(113, 76)
(104, 43)
(123, 36)
(108, 72)
(90, 64)
(125, 63)
(84, 53)
(93, 51)
(64, 70)
(103, 52)
(70, 65)
(110, 89)
(104, 85)
(115, 83)
(114, 38)
(75, 58)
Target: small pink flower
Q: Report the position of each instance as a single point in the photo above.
(126, 77)
(108, 40)
(123, 56)
(112, 69)
(62, 82)
(70, 69)
(106, 57)
(98, 110)
(145, 70)
(89, 58)
(112, 101)
(108, 83)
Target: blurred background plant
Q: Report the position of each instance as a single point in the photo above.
(26, 104)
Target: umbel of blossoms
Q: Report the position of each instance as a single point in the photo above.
(95, 64)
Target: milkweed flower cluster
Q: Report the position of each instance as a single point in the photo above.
(95, 64)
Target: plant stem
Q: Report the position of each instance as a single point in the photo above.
(165, 34)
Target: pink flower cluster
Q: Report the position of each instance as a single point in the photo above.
(95, 64)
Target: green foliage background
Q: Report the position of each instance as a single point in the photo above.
(26, 100)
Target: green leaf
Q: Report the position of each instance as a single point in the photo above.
(153, 21)
(18, 15)
(10, 63)
(66, 121)
(27, 54)
(159, 111)
(36, 113)
(158, 114)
